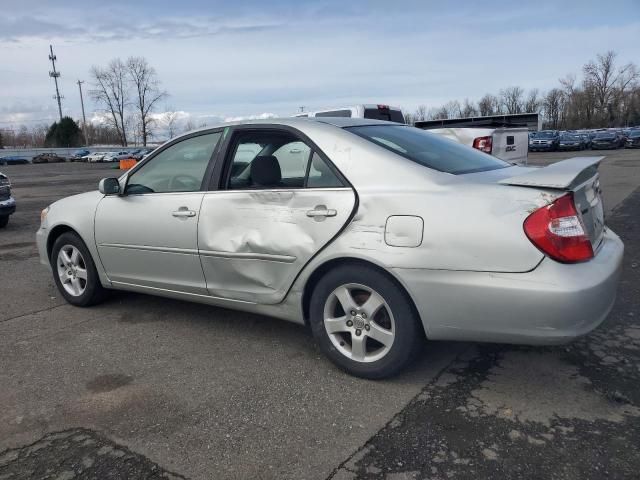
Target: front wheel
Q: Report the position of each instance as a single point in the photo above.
(364, 322)
(4, 221)
(74, 272)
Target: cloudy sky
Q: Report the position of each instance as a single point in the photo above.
(228, 59)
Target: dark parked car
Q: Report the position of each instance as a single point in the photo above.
(607, 140)
(571, 141)
(13, 160)
(7, 202)
(545, 140)
(48, 158)
(633, 140)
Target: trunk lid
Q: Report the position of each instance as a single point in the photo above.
(578, 175)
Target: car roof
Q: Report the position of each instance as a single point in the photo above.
(300, 122)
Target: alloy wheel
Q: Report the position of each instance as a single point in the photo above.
(72, 270)
(359, 322)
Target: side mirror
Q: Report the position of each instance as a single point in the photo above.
(109, 186)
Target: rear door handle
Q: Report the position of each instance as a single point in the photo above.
(184, 212)
(322, 211)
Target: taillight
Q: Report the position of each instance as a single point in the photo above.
(558, 231)
(484, 144)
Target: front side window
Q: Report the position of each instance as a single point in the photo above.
(428, 149)
(179, 168)
(275, 160)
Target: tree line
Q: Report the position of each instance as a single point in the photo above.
(128, 92)
(607, 95)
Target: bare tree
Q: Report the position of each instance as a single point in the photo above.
(532, 103)
(111, 93)
(511, 99)
(468, 109)
(420, 114)
(553, 104)
(147, 93)
(608, 81)
(169, 120)
(488, 105)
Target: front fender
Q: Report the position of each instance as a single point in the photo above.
(76, 213)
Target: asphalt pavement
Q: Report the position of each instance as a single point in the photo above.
(145, 387)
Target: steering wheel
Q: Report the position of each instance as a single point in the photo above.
(186, 181)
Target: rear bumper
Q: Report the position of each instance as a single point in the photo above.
(552, 304)
(7, 207)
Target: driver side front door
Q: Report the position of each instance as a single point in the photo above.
(148, 236)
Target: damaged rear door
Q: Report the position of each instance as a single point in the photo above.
(279, 201)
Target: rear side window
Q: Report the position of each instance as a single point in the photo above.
(334, 113)
(428, 149)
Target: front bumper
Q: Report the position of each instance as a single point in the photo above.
(7, 207)
(41, 243)
(552, 304)
(569, 147)
(542, 146)
(604, 146)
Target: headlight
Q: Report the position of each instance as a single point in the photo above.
(43, 215)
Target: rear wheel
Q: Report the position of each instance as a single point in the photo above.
(364, 322)
(74, 272)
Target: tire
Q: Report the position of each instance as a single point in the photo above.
(4, 221)
(78, 291)
(395, 322)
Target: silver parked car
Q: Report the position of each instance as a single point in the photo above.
(375, 234)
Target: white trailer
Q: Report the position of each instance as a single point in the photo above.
(508, 144)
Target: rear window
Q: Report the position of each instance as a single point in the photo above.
(428, 149)
(387, 114)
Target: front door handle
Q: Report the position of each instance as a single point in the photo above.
(184, 212)
(321, 211)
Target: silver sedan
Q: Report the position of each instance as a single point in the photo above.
(374, 234)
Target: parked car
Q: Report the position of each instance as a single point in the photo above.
(13, 160)
(80, 153)
(96, 157)
(48, 158)
(115, 156)
(571, 141)
(373, 233)
(607, 140)
(7, 202)
(587, 139)
(545, 140)
(142, 153)
(633, 140)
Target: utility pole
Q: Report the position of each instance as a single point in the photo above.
(301, 109)
(54, 74)
(84, 119)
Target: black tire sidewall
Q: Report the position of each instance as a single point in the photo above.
(4, 221)
(94, 290)
(408, 330)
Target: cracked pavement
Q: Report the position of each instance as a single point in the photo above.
(144, 387)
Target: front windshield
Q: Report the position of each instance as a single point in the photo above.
(428, 149)
(571, 137)
(605, 135)
(635, 133)
(545, 135)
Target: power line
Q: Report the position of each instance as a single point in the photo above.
(55, 74)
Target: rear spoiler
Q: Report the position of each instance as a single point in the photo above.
(563, 175)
